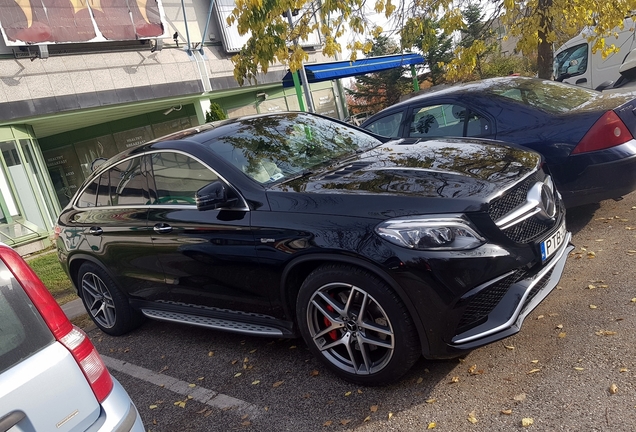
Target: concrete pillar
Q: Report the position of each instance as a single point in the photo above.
(202, 107)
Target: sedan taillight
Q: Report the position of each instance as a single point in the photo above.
(73, 338)
(608, 131)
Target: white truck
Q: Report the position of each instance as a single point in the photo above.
(574, 62)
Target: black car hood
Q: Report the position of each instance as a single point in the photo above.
(459, 174)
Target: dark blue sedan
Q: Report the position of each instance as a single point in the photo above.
(586, 137)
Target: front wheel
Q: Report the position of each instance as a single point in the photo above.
(107, 306)
(356, 325)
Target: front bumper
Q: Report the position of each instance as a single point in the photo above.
(521, 298)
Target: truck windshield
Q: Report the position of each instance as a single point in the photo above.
(570, 62)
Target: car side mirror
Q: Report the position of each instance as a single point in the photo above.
(214, 196)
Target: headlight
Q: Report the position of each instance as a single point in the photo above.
(434, 232)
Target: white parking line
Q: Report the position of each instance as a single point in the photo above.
(199, 394)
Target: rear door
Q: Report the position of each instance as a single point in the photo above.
(41, 386)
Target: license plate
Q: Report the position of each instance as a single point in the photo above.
(552, 243)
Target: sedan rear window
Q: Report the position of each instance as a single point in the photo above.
(22, 330)
(553, 97)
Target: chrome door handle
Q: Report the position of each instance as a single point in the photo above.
(162, 228)
(96, 231)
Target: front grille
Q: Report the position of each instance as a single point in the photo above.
(537, 287)
(512, 199)
(483, 303)
(530, 229)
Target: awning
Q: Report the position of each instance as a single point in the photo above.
(343, 69)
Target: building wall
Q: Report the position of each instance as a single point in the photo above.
(86, 101)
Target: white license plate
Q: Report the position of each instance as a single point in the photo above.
(552, 243)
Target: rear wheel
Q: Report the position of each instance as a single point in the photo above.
(356, 325)
(107, 306)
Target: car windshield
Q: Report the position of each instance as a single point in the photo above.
(549, 96)
(282, 146)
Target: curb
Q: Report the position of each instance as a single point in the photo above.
(74, 309)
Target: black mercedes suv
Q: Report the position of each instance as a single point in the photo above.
(294, 224)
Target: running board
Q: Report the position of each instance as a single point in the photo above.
(214, 323)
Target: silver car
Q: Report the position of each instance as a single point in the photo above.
(51, 376)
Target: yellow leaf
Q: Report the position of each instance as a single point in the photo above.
(367, 418)
(431, 400)
(540, 317)
(525, 422)
(506, 411)
(152, 406)
(373, 408)
(593, 307)
(472, 418)
(344, 422)
(533, 371)
(389, 416)
(633, 300)
(253, 351)
(454, 379)
(534, 361)
(578, 368)
(180, 404)
(211, 353)
(560, 326)
(603, 286)
(624, 370)
(431, 425)
(605, 333)
(255, 382)
(420, 379)
(277, 384)
(472, 369)
(201, 378)
(348, 393)
(591, 286)
(234, 362)
(238, 374)
(510, 347)
(327, 423)
(613, 389)
(192, 385)
(292, 347)
(562, 335)
(591, 255)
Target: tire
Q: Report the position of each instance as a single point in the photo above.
(356, 325)
(107, 306)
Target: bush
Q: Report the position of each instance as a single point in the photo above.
(215, 113)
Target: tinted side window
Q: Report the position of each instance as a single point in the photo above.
(388, 126)
(178, 177)
(478, 125)
(126, 184)
(437, 121)
(89, 196)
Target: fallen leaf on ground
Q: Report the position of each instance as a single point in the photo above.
(345, 422)
(605, 333)
(633, 300)
(506, 411)
(367, 418)
(624, 370)
(152, 406)
(180, 404)
(593, 307)
(359, 391)
(292, 347)
(256, 382)
(201, 378)
(613, 389)
(314, 373)
(348, 393)
(420, 379)
(472, 369)
(431, 400)
(472, 418)
(431, 425)
(234, 362)
(578, 368)
(533, 371)
(211, 353)
(560, 326)
(534, 361)
(277, 384)
(562, 334)
(454, 379)
(509, 347)
(591, 255)
(540, 317)
(253, 351)
(327, 423)
(591, 286)
(389, 416)
(238, 374)
(525, 422)
(373, 408)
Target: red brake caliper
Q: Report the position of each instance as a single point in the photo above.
(333, 334)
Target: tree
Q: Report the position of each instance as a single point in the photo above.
(373, 92)
(435, 44)
(532, 21)
(215, 113)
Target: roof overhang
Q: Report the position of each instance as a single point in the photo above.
(343, 69)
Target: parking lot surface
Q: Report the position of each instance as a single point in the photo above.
(571, 368)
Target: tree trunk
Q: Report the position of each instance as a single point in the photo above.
(544, 49)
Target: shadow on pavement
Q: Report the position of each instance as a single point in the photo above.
(578, 217)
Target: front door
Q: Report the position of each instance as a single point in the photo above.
(208, 257)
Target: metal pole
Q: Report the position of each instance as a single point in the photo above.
(185, 21)
(299, 92)
(416, 84)
(207, 23)
(310, 103)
